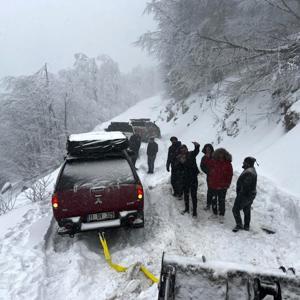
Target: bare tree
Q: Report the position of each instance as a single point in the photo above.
(7, 202)
(39, 191)
(38, 111)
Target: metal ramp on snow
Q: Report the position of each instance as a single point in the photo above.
(188, 278)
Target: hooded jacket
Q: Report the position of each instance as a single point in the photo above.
(205, 159)
(246, 187)
(135, 143)
(186, 163)
(172, 153)
(152, 148)
(220, 170)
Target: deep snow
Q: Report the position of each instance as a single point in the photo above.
(35, 263)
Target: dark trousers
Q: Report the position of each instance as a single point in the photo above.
(179, 182)
(218, 201)
(151, 160)
(173, 181)
(237, 214)
(134, 158)
(209, 197)
(191, 187)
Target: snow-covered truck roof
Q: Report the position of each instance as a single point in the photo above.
(100, 136)
(96, 143)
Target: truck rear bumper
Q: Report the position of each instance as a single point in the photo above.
(74, 225)
(102, 224)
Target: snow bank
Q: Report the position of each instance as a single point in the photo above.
(148, 108)
(35, 263)
(281, 161)
(258, 132)
(11, 219)
(296, 107)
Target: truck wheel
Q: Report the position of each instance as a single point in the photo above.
(140, 225)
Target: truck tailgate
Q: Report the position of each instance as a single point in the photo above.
(88, 201)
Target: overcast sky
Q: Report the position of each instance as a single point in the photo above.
(33, 32)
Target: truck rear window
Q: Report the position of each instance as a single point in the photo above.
(95, 173)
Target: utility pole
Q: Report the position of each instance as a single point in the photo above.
(46, 73)
(66, 115)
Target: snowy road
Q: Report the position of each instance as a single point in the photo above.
(35, 263)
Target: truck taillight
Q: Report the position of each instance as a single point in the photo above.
(55, 201)
(140, 193)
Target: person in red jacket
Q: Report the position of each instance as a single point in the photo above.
(219, 179)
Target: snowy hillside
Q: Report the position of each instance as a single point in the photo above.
(252, 129)
(35, 263)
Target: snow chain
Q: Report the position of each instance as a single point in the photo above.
(119, 268)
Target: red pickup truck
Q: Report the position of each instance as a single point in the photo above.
(96, 193)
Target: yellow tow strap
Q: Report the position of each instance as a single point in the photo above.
(119, 268)
(148, 274)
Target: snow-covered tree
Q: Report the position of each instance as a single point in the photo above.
(39, 111)
(198, 42)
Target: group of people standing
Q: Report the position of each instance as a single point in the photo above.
(216, 164)
(152, 149)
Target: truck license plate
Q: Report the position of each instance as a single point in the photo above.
(101, 216)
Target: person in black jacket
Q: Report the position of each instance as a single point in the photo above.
(135, 144)
(208, 150)
(186, 161)
(152, 150)
(172, 153)
(245, 194)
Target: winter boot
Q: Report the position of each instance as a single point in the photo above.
(185, 212)
(221, 219)
(215, 210)
(237, 228)
(246, 227)
(213, 216)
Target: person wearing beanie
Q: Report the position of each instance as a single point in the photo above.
(245, 194)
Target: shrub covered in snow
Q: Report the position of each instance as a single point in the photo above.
(7, 202)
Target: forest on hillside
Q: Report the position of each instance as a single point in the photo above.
(199, 43)
(39, 111)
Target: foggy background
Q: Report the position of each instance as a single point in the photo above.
(65, 67)
(91, 74)
(33, 32)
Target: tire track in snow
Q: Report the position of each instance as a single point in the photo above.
(64, 268)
